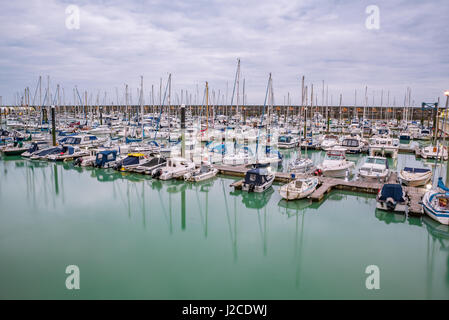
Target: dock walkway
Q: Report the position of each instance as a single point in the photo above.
(327, 184)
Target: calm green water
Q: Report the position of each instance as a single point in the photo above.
(131, 237)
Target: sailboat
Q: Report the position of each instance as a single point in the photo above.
(436, 203)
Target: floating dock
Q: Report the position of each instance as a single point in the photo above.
(327, 184)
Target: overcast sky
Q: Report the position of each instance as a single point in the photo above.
(198, 41)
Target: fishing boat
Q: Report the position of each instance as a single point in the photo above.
(434, 152)
(436, 203)
(299, 188)
(174, 168)
(415, 177)
(204, 172)
(375, 168)
(258, 179)
(392, 197)
(335, 164)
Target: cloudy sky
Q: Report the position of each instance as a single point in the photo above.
(198, 41)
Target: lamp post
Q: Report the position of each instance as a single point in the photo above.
(446, 93)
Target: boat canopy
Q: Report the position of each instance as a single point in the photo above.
(105, 156)
(416, 170)
(257, 176)
(392, 191)
(130, 160)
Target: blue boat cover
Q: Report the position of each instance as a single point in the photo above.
(392, 190)
(130, 161)
(257, 176)
(417, 170)
(102, 157)
(441, 184)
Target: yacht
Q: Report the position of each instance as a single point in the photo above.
(375, 168)
(434, 152)
(132, 161)
(152, 164)
(335, 164)
(329, 141)
(301, 165)
(287, 141)
(384, 146)
(352, 144)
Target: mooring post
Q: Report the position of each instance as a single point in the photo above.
(53, 125)
(183, 129)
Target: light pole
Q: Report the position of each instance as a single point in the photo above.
(446, 93)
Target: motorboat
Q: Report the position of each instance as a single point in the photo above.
(352, 144)
(204, 172)
(133, 160)
(435, 203)
(434, 152)
(335, 164)
(329, 141)
(174, 168)
(299, 188)
(154, 162)
(258, 179)
(301, 165)
(67, 153)
(392, 197)
(287, 141)
(375, 168)
(35, 146)
(384, 146)
(415, 177)
(106, 158)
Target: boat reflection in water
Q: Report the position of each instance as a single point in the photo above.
(437, 239)
(254, 200)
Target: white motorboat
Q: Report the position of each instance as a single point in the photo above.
(301, 165)
(329, 141)
(335, 164)
(434, 152)
(204, 172)
(384, 146)
(415, 177)
(174, 168)
(299, 188)
(375, 168)
(287, 141)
